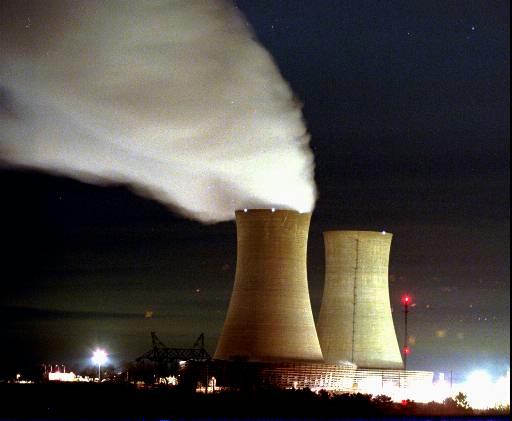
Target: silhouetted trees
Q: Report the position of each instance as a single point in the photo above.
(124, 400)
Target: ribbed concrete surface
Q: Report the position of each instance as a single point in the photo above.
(269, 317)
(355, 323)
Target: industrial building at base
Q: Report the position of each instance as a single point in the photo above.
(269, 322)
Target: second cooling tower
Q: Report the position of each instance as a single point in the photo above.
(269, 317)
(355, 323)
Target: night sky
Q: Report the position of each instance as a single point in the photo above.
(407, 104)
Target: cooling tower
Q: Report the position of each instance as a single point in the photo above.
(355, 322)
(269, 317)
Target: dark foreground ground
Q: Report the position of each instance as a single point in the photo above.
(81, 401)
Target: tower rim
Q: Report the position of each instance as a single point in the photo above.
(359, 233)
(270, 210)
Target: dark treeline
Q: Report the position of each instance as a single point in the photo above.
(125, 401)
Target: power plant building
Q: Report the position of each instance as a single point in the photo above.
(355, 323)
(269, 318)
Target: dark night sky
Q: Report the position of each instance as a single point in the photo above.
(408, 107)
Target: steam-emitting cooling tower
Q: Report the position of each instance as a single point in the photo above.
(269, 317)
(355, 323)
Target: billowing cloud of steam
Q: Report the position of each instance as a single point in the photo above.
(173, 97)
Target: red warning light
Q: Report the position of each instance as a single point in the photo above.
(406, 300)
(407, 350)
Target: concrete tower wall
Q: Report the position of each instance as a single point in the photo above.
(355, 323)
(269, 317)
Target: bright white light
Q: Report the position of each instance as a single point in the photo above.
(273, 209)
(245, 210)
(479, 389)
(383, 232)
(99, 357)
(62, 377)
(479, 377)
(502, 390)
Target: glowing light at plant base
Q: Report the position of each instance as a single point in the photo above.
(62, 377)
(99, 357)
(482, 392)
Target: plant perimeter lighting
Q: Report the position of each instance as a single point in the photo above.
(99, 357)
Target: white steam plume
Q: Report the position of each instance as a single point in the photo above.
(173, 97)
